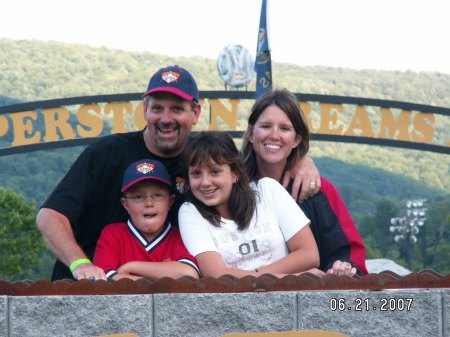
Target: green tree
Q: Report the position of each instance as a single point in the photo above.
(374, 230)
(437, 237)
(20, 241)
(432, 249)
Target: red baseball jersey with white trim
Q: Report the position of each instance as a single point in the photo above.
(121, 242)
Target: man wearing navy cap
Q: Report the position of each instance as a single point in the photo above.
(88, 196)
(171, 108)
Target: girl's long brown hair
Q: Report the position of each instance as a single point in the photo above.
(214, 147)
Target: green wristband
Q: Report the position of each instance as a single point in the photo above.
(77, 262)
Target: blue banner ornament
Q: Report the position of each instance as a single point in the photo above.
(263, 62)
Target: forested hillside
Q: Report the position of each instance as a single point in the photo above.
(34, 70)
(367, 176)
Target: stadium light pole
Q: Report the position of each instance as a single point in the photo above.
(406, 227)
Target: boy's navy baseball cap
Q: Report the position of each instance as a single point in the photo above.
(175, 80)
(145, 169)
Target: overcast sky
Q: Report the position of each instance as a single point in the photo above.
(383, 34)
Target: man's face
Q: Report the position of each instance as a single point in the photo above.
(169, 123)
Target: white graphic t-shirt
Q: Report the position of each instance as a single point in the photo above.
(277, 219)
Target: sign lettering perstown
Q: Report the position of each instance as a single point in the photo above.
(79, 120)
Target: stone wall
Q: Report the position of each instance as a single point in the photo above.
(357, 313)
(384, 304)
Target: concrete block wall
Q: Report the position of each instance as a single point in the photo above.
(215, 314)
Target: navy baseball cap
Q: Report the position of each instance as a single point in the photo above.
(175, 80)
(145, 169)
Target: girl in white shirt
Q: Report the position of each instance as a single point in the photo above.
(237, 228)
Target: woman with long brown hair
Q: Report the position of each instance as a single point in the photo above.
(278, 136)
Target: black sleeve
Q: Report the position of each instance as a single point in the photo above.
(74, 190)
(332, 241)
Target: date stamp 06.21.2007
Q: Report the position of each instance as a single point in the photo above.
(371, 304)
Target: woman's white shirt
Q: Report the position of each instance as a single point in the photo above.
(276, 220)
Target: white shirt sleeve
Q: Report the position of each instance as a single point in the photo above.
(194, 230)
(291, 218)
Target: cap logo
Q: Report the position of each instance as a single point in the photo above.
(170, 76)
(145, 168)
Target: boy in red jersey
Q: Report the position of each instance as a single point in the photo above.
(147, 245)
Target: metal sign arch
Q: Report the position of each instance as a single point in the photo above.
(327, 103)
